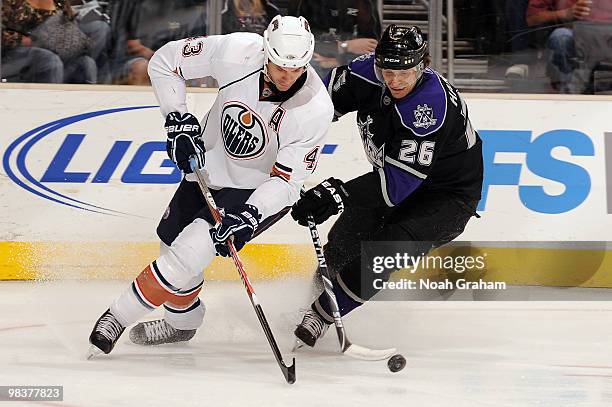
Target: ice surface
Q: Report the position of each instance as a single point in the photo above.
(459, 354)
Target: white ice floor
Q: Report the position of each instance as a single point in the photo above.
(460, 354)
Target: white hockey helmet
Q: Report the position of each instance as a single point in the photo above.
(288, 42)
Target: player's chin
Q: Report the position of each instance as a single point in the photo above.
(398, 92)
(283, 87)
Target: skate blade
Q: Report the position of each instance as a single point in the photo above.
(297, 345)
(93, 352)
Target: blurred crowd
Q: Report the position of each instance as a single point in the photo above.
(568, 42)
(570, 39)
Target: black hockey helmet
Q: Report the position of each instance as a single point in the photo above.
(400, 48)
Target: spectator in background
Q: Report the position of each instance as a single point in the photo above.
(94, 22)
(247, 16)
(518, 37)
(161, 21)
(129, 58)
(343, 29)
(593, 45)
(140, 27)
(23, 61)
(560, 43)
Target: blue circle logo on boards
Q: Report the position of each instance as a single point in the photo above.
(14, 161)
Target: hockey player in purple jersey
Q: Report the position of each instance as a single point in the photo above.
(427, 168)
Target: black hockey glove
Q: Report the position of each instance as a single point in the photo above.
(184, 140)
(322, 201)
(241, 222)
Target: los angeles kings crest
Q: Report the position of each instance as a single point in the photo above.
(244, 133)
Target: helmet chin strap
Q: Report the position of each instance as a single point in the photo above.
(265, 70)
(420, 68)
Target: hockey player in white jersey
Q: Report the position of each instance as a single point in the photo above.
(258, 143)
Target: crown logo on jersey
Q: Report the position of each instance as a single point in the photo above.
(363, 57)
(424, 117)
(244, 133)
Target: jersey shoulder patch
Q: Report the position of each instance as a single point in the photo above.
(424, 112)
(363, 67)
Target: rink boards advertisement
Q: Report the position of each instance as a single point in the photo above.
(85, 179)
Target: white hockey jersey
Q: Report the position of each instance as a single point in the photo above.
(271, 147)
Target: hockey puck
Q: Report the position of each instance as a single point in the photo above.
(396, 363)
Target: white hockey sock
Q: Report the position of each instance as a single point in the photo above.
(128, 308)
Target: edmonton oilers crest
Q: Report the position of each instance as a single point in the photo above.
(244, 133)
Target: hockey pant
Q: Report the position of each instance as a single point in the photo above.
(175, 278)
(424, 221)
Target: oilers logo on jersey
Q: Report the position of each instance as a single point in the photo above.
(244, 133)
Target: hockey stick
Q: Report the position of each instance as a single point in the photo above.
(346, 347)
(288, 371)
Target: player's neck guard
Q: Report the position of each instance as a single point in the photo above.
(270, 93)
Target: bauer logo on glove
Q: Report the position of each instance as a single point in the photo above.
(184, 140)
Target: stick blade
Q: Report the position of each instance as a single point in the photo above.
(289, 372)
(363, 353)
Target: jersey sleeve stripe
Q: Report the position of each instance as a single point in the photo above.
(283, 167)
(277, 172)
(332, 78)
(383, 187)
(405, 168)
(364, 78)
(179, 72)
(470, 134)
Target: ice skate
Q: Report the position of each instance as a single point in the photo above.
(159, 332)
(105, 334)
(312, 328)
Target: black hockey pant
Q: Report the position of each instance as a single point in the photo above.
(424, 221)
